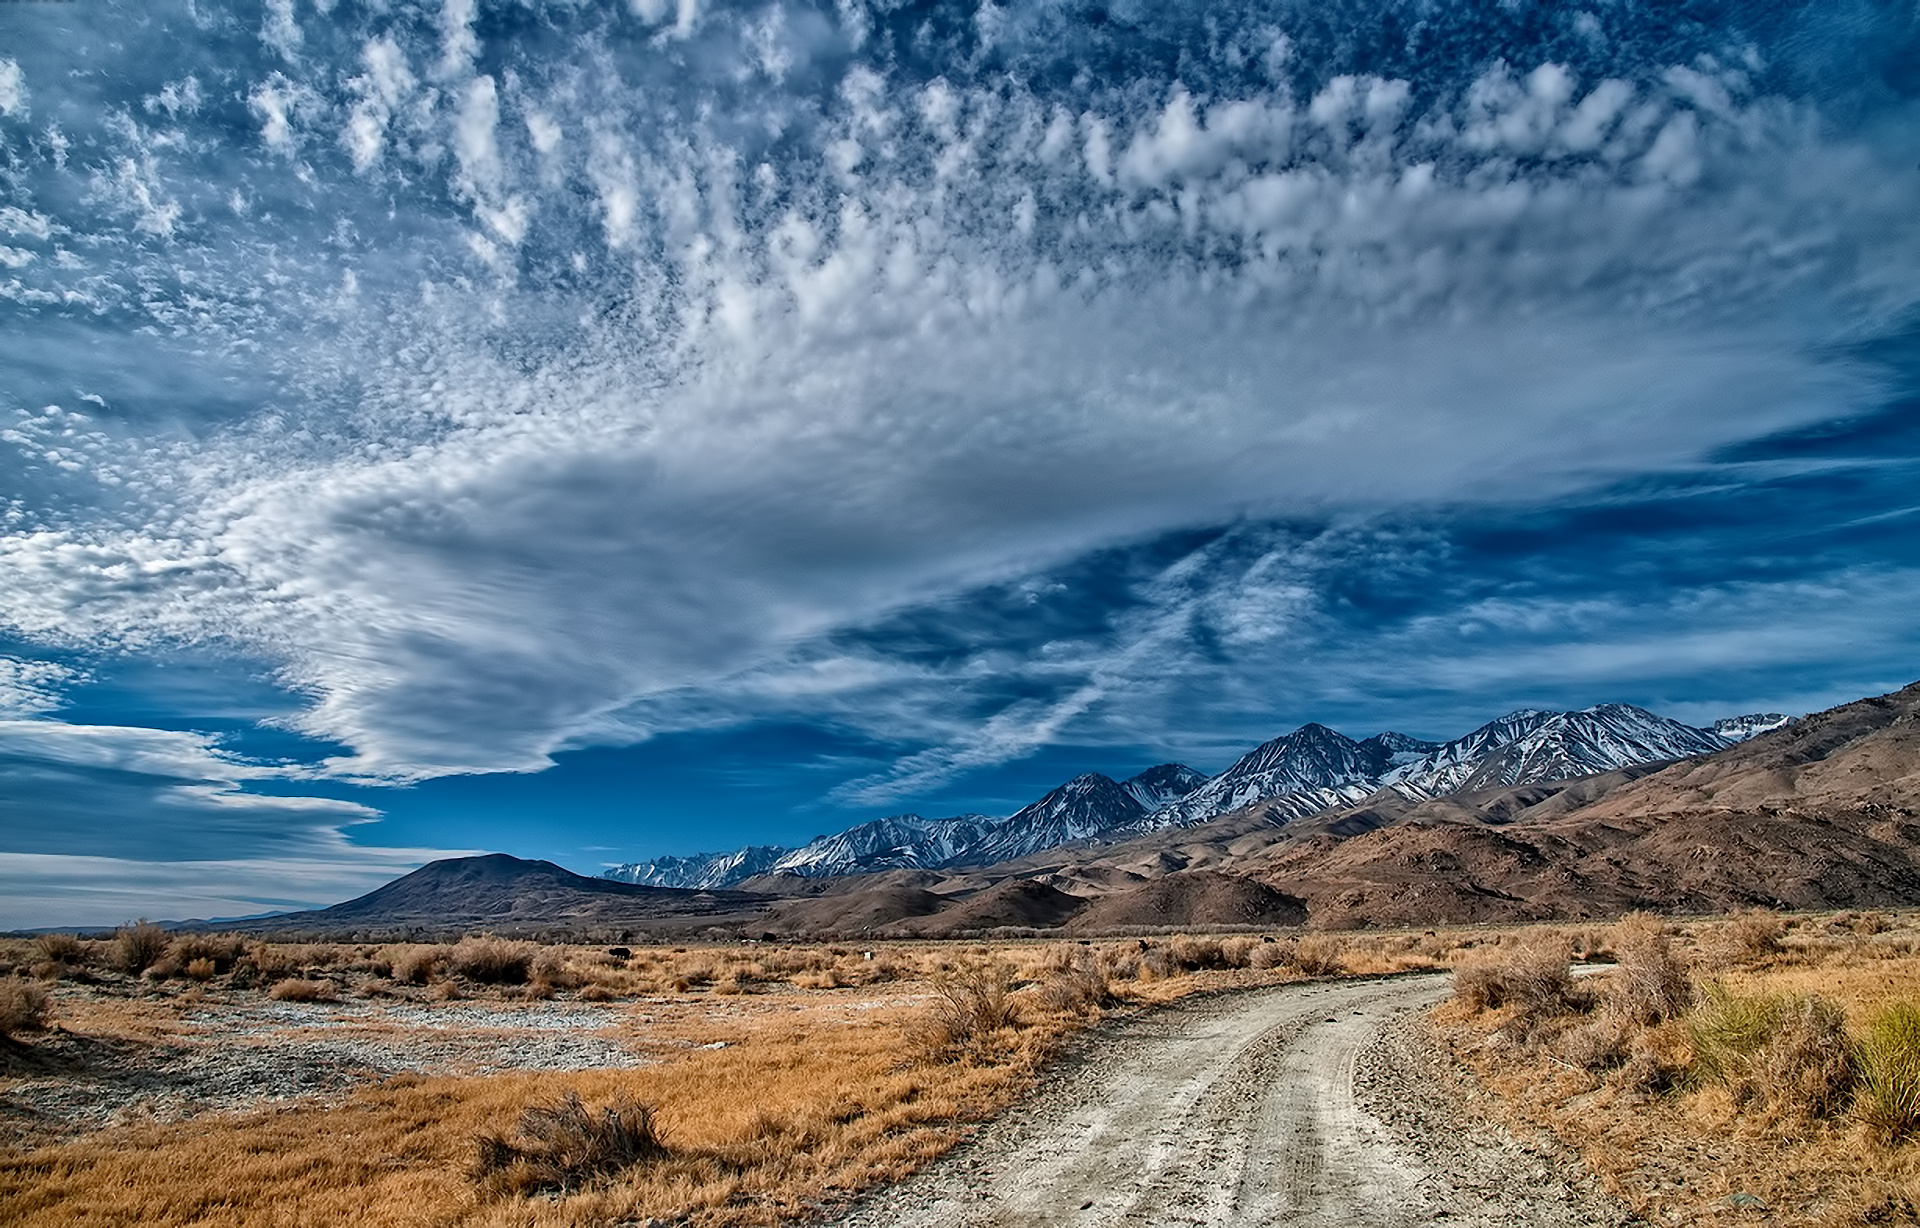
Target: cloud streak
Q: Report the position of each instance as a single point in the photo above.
(620, 390)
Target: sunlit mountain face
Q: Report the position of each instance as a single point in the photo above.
(603, 432)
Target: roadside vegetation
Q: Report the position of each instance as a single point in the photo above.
(783, 1078)
(1760, 1068)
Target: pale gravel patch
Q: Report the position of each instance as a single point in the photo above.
(251, 1053)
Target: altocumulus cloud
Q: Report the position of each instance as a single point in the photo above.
(511, 381)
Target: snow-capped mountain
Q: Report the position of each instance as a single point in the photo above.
(1168, 782)
(1397, 748)
(1740, 728)
(898, 842)
(1311, 760)
(1088, 805)
(1529, 747)
(700, 872)
(1304, 772)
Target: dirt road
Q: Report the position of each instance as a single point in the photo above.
(1302, 1105)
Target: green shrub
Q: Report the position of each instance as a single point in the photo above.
(1889, 1058)
(1788, 1052)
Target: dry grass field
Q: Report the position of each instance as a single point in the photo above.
(213, 1080)
(1746, 1070)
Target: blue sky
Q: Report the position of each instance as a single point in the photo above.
(601, 430)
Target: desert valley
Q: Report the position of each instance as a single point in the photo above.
(1673, 990)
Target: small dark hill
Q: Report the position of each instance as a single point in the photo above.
(856, 912)
(502, 892)
(1014, 902)
(1193, 899)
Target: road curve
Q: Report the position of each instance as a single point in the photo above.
(1241, 1109)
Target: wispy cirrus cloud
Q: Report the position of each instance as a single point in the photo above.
(622, 373)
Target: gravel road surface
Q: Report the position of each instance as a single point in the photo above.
(1316, 1104)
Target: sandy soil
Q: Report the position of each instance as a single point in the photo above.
(1311, 1104)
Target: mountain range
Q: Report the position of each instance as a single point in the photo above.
(1817, 813)
(1303, 773)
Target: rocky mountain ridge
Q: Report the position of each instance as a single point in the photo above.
(1306, 772)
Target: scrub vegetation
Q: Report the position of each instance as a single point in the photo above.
(765, 1080)
(1758, 1068)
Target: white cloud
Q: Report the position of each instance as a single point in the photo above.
(281, 31)
(42, 889)
(28, 688)
(796, 365)
(458, 43)
(13, 88)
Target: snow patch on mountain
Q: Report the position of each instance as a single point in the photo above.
(1311, 759)
(1085, 807)
(898, 842)
(700, 872)
(1752, 725)
(1312, 769)
(1167, 782)
(1531, 747)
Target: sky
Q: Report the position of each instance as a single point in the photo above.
(595, 431)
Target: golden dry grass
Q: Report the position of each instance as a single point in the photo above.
(787, 1077)
(1679, 1145)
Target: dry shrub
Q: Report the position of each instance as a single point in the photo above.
(1534, 977)
(597, 992)
(564, 1147)
(1268, 954)
(1650, 984)
(66, 950)
(549, 971)
(221, 951)
(1317, 955)
(202, 969)
(493, 961)
(415, 965)
(301, 990)
(1787, 1052)
(1888, 1098)
(970, 1003)
(274, 961)
(1072, 982)
(1198, 954)
(138, 946)
(1748, 937)
(1868, 924)
(24, 1006)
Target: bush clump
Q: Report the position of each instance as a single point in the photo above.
(563, 1147)
(299, 989)
(1888, 1098)
(24, 1006)
(493, 961)
(1787, 1052)
(1535, 977)
(970, 1003)
(1650, 985)
(63, 950)
(1317, 955)
(221, 951)
(138, 946)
